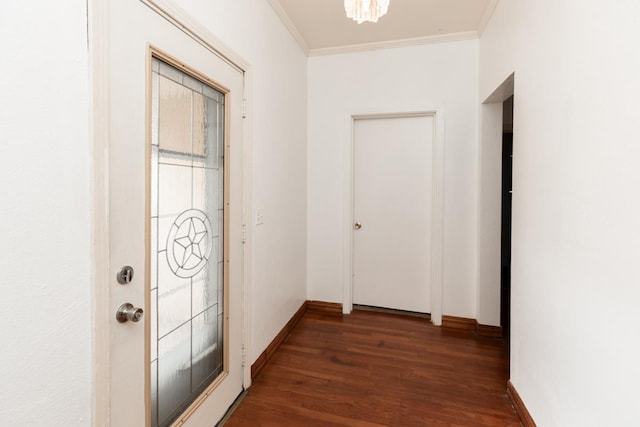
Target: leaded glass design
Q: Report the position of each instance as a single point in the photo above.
(187, 215)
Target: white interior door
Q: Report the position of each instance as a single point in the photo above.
(175, 184)
(392, 196)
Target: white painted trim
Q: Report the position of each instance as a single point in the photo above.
(437, 221)
(169, 10)
(288, 23)
(392, 44)
(348, 220)
(98, 35)
(486, 17)
(98, 25)
(247, 212)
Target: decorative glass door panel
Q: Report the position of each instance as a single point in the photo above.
(187, 240)
(175, 216)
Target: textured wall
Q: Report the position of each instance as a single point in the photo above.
(44, 226)
(575, 280)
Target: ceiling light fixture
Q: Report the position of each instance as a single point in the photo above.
(365, 10)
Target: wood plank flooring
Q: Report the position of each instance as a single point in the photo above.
(378, 369)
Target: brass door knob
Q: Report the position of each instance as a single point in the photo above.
(357, 225)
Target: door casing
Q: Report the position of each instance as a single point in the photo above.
(103, 319)
(437, 218)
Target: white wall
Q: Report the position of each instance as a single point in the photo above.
(426, 76)
(575, 280)
(45, 224)
(278, 119)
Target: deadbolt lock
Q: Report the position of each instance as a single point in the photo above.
(125, 275)
(127, 312)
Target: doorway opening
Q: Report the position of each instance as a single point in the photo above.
(505, 240)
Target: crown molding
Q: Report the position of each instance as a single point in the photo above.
(486, 17)
(417, 41)
(391, 44)
(288, 23)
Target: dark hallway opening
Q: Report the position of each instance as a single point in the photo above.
(505, 251)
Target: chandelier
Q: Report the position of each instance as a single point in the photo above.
(365, 10)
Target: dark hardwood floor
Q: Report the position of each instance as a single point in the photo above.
(378, 369)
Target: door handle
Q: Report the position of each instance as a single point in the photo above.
(357, 225)
(127, 312)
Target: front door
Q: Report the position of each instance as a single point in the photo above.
(175, 218)
(392, 196)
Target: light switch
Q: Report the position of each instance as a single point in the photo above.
(259, 216)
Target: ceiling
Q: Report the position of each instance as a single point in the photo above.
(321, 26)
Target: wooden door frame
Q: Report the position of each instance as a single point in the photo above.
(103, 319)
(437, 207)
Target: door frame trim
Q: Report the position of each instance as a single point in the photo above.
(437, 209)
(99, 122)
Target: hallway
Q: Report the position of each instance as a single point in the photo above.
(378, 369)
